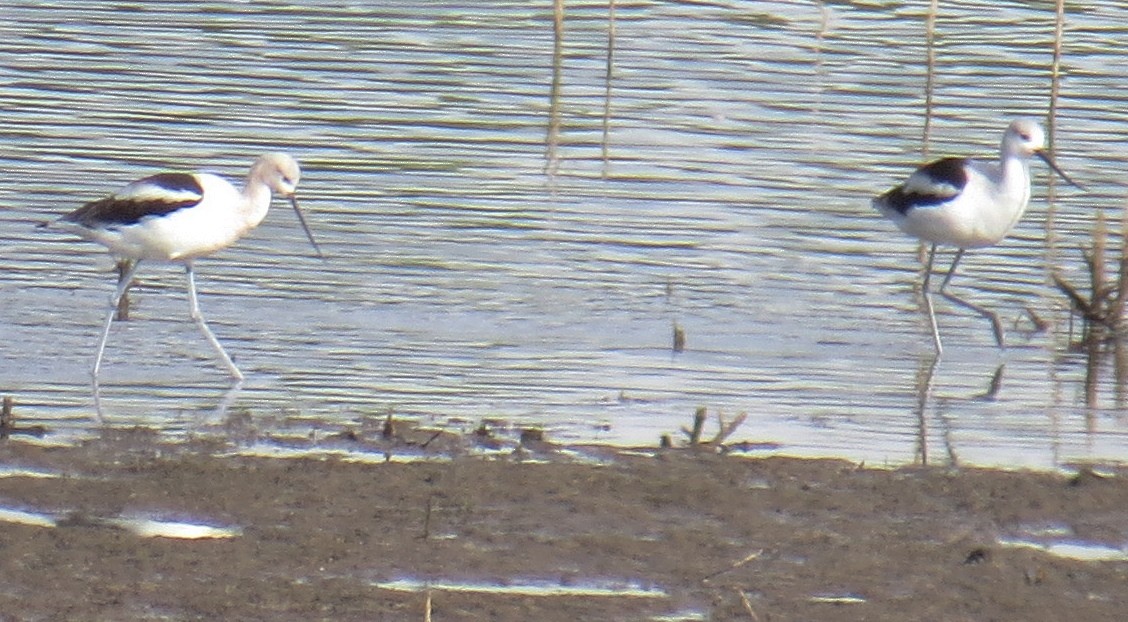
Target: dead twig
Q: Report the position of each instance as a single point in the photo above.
(6, 417)
(698, 425)
(747, 604)
(726, 430)
(1104, 307)
(8, 425)
(754, 555)
(679, 338)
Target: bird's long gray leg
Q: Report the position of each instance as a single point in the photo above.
(123, 266)
(194, 311)
(993, 317)
(928, 302)
(123, 285)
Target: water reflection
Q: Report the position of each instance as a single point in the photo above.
(924, 377)
(498, 255)
(1099, 354)
(930, 408)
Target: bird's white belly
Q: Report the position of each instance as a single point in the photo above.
(975, 218)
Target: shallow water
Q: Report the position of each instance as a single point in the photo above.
(491, 255)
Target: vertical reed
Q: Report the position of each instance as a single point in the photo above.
(607, 84)
(930, 46)
(552, 140)
(930, 71)
(1051, 122)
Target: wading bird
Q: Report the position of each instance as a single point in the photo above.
(968, 203)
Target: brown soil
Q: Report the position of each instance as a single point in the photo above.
(696, 534)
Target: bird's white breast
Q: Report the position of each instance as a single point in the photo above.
(982, 214)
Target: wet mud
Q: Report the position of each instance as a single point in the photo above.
(542, 532)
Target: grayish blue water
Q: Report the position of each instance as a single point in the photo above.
(488, 256)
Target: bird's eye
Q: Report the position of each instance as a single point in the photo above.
(1024, 136)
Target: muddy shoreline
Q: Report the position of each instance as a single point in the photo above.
(541, 532)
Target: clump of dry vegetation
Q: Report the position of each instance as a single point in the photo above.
(1100, 302)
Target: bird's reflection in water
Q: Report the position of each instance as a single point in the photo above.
(1102, 390)
(924, 381)
(217, 414)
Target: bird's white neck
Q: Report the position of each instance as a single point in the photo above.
(258, 197)
(1015, 173)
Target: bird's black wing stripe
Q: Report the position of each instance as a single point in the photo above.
(157, 195)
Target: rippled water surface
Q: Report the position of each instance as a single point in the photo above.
(510, 236)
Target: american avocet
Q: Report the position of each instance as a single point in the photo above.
(178, 217)
(967, 203)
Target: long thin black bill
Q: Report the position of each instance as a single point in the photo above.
(305, 227)
(1050, 163)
